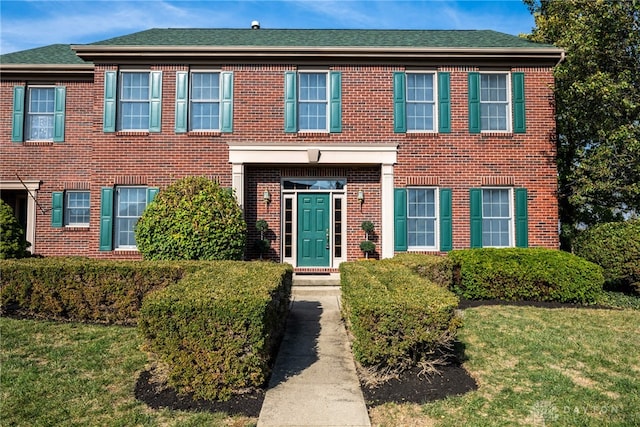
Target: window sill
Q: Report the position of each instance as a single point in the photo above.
(505, 135)
(209, 133)
(37, 143)
(132, 133)
(422, 134)
(76, 228)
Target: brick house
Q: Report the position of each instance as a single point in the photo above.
(442, 139)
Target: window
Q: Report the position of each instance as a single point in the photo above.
(422, 218)
(497, 102)
(204, 101)
(494, 104)
(421, 102)
(135, 98)
(499, 217)
(313, 101)
(120, 209)
(134, 101)
(496, 218)
(76, 209)
(39, 116)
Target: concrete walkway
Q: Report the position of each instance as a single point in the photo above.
(314, 382)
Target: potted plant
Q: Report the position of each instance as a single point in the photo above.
(367, 246)
(263, 244)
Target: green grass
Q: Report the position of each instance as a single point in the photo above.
(534, 366)
(70, 374)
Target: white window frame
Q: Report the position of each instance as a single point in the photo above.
(117, 216)
(508, 106)
(122, 100)
(511, 218)
(436, 218)
(326, 101)
(204, 101)
(434, 102)
(67, 209)
(48, 115)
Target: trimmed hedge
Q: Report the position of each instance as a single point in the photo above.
(397, 318)
(525, 274)
(436, 268)
(84, 290)
(616, 248)
(217, 330)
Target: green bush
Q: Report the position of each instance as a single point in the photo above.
(525, 274)
(436, 268)
(217, 330)
(616, 248)
(82, 289)
(192, 219)
(12, 240)
(397, 318)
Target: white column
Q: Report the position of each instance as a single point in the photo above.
(387, 211)
(237, 183)
(31, 222)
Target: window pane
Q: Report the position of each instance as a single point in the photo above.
(205, 116)
(40, 106)
(420, 116)
(41, 100)
(77, 208)
(313, 116)
(205, 86)
(494, 104)
(313, 87)
(420, 102)
(40, 126)
(421, 218)
(131, 202)
(496, 215)
(419, 87)
(135, 115)
(135, 86)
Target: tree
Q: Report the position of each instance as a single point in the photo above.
(194, 218)
(12, 240)
(598, 107)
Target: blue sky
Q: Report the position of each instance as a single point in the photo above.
(26, 24)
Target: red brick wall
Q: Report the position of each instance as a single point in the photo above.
(458, 160)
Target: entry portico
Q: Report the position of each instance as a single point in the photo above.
(302, 200)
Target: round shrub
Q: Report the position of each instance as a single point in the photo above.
(12, 240)
(615, 247)
(193, 219)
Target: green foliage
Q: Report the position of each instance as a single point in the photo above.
(12, 240)
(367, 226)
(525, 274)
(598, 106)
(367, 246)
(435, 268)
(192, 219)
(262, 225)
(397, 318)
(83, 290)
(217, 330)
(616, 248)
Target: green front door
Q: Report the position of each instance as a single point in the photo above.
(313, 230)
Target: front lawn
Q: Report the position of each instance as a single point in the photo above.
(537, 366)
(71, 374)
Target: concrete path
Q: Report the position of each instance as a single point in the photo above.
(314, 382)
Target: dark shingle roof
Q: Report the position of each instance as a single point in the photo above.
(53, 54)
(321, 38)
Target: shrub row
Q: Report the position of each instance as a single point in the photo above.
(217, 329)
(437, 269)
(84, 290)
(616, 248)
(396, 317)
(525, 274)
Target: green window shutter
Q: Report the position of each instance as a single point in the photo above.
(475, 196)
(400, 219)
(399, 102)
(155, 107)
(474, 102)
(182, 100)
(226, 103)
(106, 219)
(519, 116)
(290, 102)
(110, 90)
(446, 225)
(335, 102)
(151, 194)
(444, 103)
(59, 113)
(17, 124)
(522, 218)
(57, 205)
